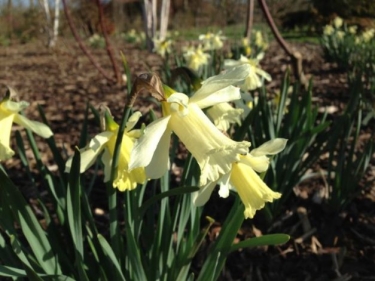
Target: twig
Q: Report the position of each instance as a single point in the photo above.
(81, 45)
(296, 57)
(108, 43)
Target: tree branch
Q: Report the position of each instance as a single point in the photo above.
(108, 43)
(82, 46)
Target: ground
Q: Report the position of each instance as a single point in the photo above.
(334, 247)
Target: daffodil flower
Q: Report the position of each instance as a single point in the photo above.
(9, 113)
(196, 57)
(212, 41)
(163, 47)
(105, 142)
(253, 80)
(213, 151)
(223, 115)
(253, 192)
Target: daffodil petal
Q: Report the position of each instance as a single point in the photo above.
(38, 128)
(91, 152)
(232, 76)
(159, 164)
(213, 151)
(224, 186)
(258, 163)
(6, 128)
(132, 120)
(179, 102)
(271, 147)
(107, 162)
(146, 145)
(227, 94)
(15, 107)
(201, 196)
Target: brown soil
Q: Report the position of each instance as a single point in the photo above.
(340, 246)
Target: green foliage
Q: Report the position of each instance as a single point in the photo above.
(295, 118)
(348, 8)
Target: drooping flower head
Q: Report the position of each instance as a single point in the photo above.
(104, 144)
(9, 114)
(253, 80)
(253, 192)
(213, 150)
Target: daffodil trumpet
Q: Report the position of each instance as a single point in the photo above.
(104, 145)
(243, 179)
(213, 150)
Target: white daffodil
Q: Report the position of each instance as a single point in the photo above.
(9, 114)
(212, 41)
(213, 151)
(196, 57)
(253, 80)
(163, 47)
(254, 193)
(223, 115)
(105, 141)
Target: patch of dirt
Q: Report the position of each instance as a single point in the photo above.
(334, 246)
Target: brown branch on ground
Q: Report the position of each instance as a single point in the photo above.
(295, 56)
(108, 43)
(82, 45)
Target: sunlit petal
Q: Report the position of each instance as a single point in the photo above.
(145, 146)
(232, 76)
(6, 128)
(132, 120)
(38, 128)
(213, 151)
(201, 196)
(227, 94)
(159, 164)
(271, 147)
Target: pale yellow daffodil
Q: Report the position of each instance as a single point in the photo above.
(253, 80)
(213, 150)
(163, 47)
(212, 41)
(105, 142)
(223, 115)
(9, 114)
(253, 192)
(328, 30)
(338, 22)
(196, 57)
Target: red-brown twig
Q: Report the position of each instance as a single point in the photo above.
(82, 45)
(108, 43)
(296, 57)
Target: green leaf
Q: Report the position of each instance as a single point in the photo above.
(265, 240)
(172, 192)
(30, 226)
(111, 255)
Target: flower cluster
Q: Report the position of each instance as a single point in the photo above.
(144, 152)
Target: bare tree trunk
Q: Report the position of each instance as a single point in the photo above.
(150, 21)
(164, 17)
(52, 42)
(44, 4)
(10, 18)
(249, 19)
